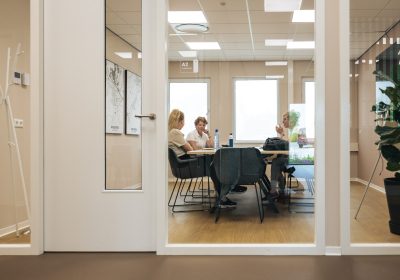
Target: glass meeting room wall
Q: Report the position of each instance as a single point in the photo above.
(256, 69)
(374, 48)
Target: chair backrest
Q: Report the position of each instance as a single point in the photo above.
(173, 162)
(252, 166)
(227, 165)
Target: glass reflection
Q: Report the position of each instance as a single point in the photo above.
(253, 78)
(123, 68)
(370, 51)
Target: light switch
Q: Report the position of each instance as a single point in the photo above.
(18, 123)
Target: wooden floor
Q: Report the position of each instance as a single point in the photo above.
(371, 225)
(147, 266)
(23, 238)
(241, 225)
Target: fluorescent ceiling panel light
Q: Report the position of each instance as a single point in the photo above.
(124, 55)
(186, 17)
(274, 76)
(203, 45)
(275, 63)
(357, 62)
(182, 34)
(301, 45)
(277, 42)
(281, 6)
(139, 55)
(303, 16)
(188, 53)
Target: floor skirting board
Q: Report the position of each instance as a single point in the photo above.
(10, 229)
(375, 187)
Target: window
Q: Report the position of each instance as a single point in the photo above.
(191, 97)
(256, 103)
(309, 94)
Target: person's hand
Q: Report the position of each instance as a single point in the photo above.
(279, 129)
(207, 132)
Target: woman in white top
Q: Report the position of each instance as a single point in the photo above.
(199, 138)
(176, 139)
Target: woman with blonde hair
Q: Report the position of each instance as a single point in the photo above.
(176, 139)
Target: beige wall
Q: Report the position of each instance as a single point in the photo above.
(14, 29)
(221, 75)
(123, 152)
(368, 152)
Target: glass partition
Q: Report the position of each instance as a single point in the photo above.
(123, 97)
(255, 57)
(15, 123)
(374, 48)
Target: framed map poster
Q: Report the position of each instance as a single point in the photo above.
(133, 103)
(115, 97)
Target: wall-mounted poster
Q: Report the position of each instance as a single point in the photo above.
(115, 96)
(133, 103)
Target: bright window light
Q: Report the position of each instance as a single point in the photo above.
(124, 55)
(188, 53)
(275, 63)
(281, 6)
(303, 16)
(203, 45)
(182, 96)
(186, 17)
(309, 88)
(301, 45)
(277, 42)
(256, 103)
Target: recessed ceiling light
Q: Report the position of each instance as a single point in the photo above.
(124, 55)
(275, 76)
(357, 62)
(139, 55)
(281, 6)
(191, 28)
(277, 42)
(188, 53)
(186, 17)
(203, 45)
(303, 16)
(275, 63)
(301, 45)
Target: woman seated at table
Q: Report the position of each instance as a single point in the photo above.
(176, 139)
(200, 138)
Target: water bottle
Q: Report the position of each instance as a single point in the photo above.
(230, 140)
(216, 139)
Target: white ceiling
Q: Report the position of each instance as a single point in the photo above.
(242, 37)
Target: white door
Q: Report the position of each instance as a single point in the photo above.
(80, 214)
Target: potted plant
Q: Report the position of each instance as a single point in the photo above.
(388, 129)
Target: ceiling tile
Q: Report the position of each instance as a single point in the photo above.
(131, 17)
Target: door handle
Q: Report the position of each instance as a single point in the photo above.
(151, 116)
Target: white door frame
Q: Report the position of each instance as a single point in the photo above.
(36, 137)
(349, 248)
(163, 247)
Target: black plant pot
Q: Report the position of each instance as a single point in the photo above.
(392, 188)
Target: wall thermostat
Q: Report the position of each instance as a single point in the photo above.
(17, 78)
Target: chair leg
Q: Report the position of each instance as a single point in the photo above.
(172, 193)
(259, 202)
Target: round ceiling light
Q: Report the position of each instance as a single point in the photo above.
(191, 28)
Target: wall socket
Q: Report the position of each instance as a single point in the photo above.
(18, 123)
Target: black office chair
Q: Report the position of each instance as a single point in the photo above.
(252, 173)
(184, 169)
(226, 164)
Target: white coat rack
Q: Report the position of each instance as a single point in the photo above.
(12, 135)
